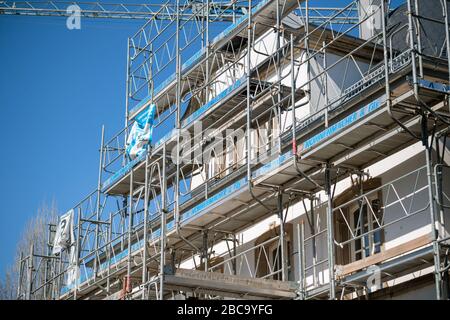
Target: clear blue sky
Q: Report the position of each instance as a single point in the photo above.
(57, 87)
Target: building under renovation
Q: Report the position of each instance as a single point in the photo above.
(272, 149)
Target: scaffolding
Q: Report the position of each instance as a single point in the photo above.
(248, 123)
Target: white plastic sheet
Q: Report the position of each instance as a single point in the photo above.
(64, 233)
(73, 270)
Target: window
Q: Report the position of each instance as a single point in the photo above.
(268, 257)
(364, 220)
(359, 219)
(235, 152)
(276, 259)
(215, 166)
(212, 167)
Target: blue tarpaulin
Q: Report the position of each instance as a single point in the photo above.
(140, 135)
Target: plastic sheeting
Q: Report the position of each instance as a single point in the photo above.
(432, 33)
(73, 270)
(64, 236)
(140, 135)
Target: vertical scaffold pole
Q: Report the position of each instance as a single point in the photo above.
(52, 269)
(330, 233)
(419, 37)
(19, 283)
(47, 265)
(234, 254)
(130, 231)
(207, 50)
(98, 207)
(77, 253)
(433, 221)
(249, 98)
(300, 258)
(147, 190)
(384, 10)
(325, 82)
(177, 125)
(146, 199)
(278, 67)
(412, 48)
(282, 251)
(447, 42)
(312, 228)
(162, 259)
(127, 95)
(177, 115)
(60, 276)
(205, 250)
(307, 85)
(30, 274)
(293, 128)
(150, 72)
(108, 252)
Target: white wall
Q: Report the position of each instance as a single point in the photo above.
(411, 202)
(389, 169)
(369, 12)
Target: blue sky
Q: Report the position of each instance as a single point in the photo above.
(57, 87)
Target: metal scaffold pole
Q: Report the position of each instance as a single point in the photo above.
(312, 228)
(127, 95)
(30, 268)
(145, 236)
(386, 57)
(60, 274)
(418, 36)
(77, 252)
(147, 188)
(205, 250)
(433, 220)
(412, 47)
(162, 259)
(293, 118)
(301, 258)
(177, 123)
(109, 253)
(447, 41)
(428, 150)
(278, 67)
(19, 282)
(47, 270)
(207, 49)
(249, 101)
(235, 240)
(282, 250)
(98, 205)
(127, 286)
(330, 233)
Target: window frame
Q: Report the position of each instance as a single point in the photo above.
(369, 226)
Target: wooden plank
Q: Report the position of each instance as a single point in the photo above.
(384, 255)
(258, 282)
(228, 288)
(230, 283)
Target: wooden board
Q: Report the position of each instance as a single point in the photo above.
(384, 255)
(231, 283)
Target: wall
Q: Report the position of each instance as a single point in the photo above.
(369, 11)
(388, 170)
